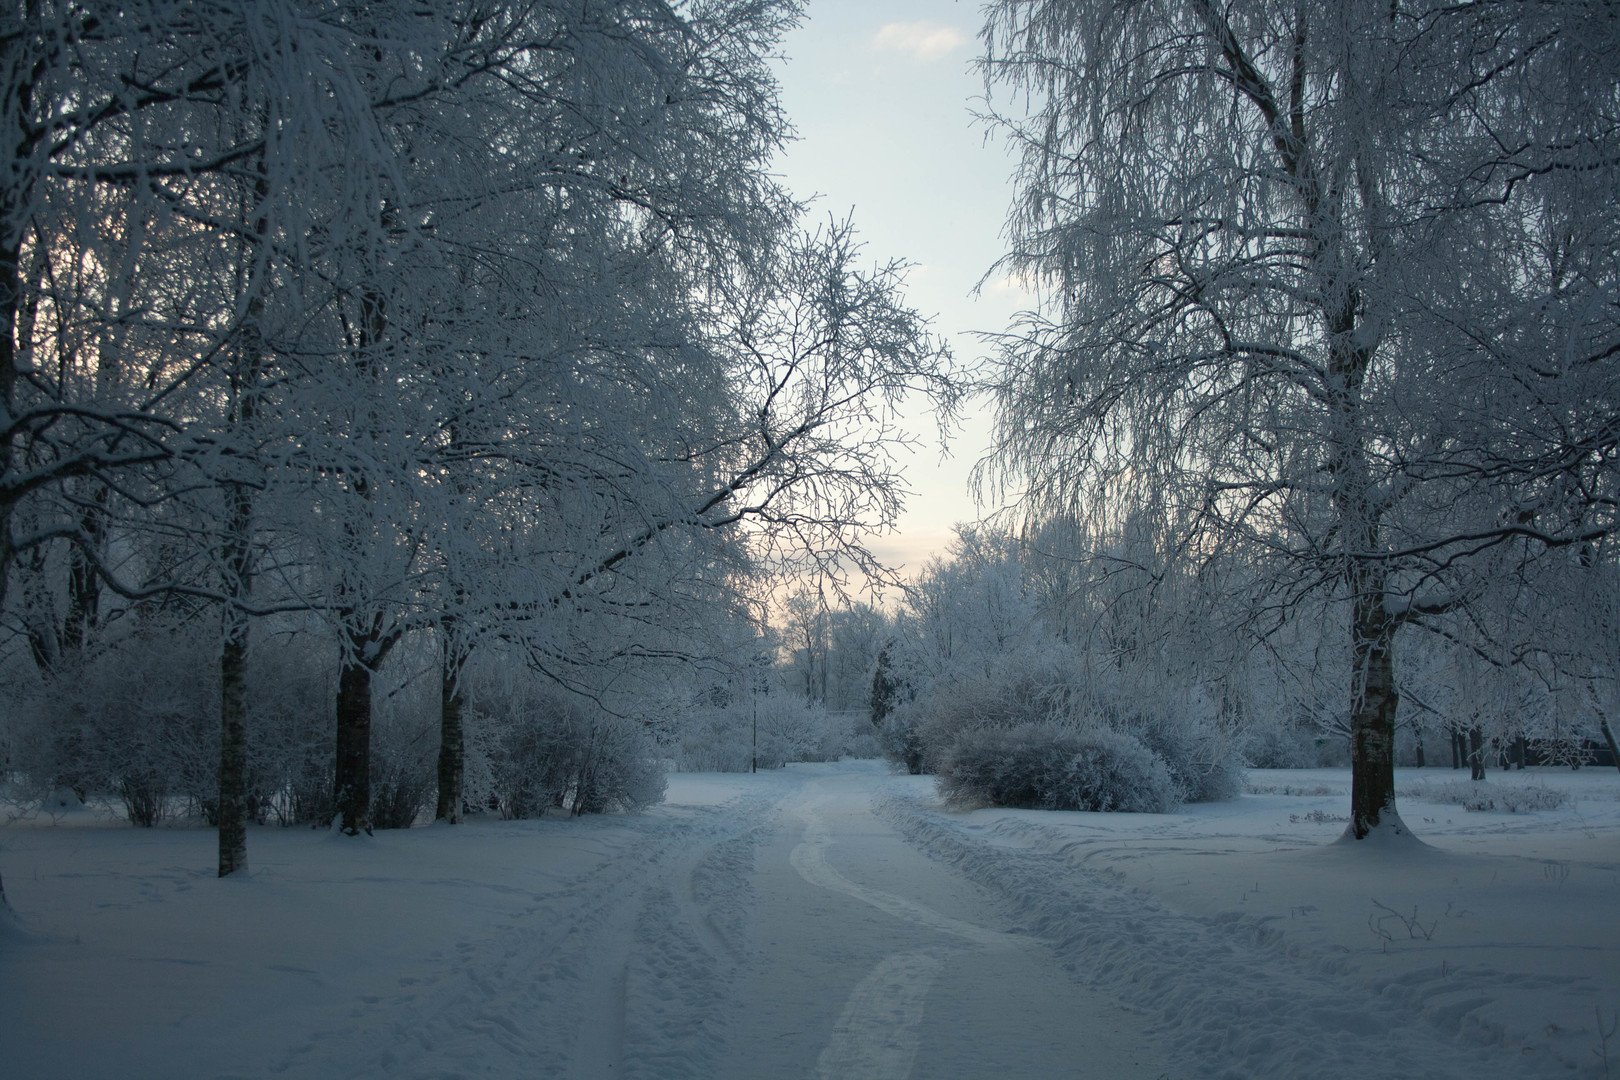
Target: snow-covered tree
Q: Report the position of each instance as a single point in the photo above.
(473, 325)
(1329, 288)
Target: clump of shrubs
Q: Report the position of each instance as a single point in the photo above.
(772, 728)
(536, 750)
(110, 723)
(1029, 735)
(1045, 766)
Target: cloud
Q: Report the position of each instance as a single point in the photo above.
(1014, 283)
(920, 40)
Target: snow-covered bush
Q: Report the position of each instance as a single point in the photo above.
(616, 766)
(1278, 746)
(139, 722)
(723, 739)
(1174, 723)
(1018, 688)
(900, 739)
(1047, 766)
(291, 689)
(404, 758)
(714, 740)
(860, 737)
(538, 750)
(1202, 760)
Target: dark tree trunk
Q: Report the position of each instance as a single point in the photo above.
(1608, 737)
(84, 581)
(452, 738)
(233, 792)
(237, 556)
(1459, 747)
(351, 784)
(1417, 733)
(1372, 717)
(1476, 753)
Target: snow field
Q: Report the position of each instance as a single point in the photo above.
(492, 949)
(1268, 950)
(830, 921)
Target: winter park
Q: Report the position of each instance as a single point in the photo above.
(756, 539)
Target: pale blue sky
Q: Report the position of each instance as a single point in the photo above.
(881, 94)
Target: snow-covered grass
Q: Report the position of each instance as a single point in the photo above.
(435, 951)
(616, 945)
(1505, 795)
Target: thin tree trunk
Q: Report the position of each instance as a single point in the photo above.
(1417, 731)
(238, 546)
(452, 737)
(233, 793)
(1476, 753)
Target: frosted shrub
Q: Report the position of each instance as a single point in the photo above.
(715, 740)
(900, 739)
(1020, 689)
(788, 731)
(860, 737)
(1007, 696)
(404, 760)
(836, 734)
(722, 740)
(1279, 746)
(552, 752)
(292, 684)
(1202, 761)
(616, 766)
(1046, 766)
(136, 722)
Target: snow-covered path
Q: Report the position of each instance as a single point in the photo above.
(873, 961)
(822, 921)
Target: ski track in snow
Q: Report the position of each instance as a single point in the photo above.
(1229, 1007)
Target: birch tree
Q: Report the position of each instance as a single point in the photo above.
(1309, 286)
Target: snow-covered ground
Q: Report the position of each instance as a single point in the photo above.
(832, 921)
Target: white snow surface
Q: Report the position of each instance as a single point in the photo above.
(832, 921)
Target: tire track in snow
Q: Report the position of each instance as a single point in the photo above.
(689, 943)
(542, 996)
(809, 858)
(878, 1033)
